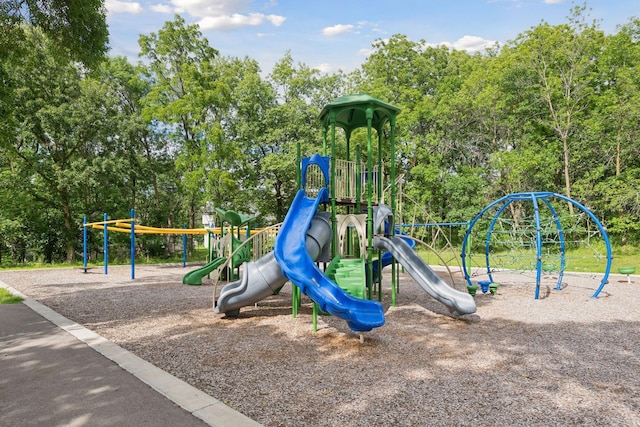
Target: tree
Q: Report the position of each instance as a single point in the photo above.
(439, 141)
(291, 120)
(77, 28)
(59, 116)
(187, 100)
(246, 125)
(563, 60)
(610, 183)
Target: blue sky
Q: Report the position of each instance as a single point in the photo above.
(337, 34)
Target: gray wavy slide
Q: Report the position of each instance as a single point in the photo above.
(263, 277)
(457, 302)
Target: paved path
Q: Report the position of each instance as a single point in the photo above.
(55, 372)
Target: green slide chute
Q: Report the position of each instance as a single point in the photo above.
(195, 277)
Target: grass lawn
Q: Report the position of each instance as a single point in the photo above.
(7, 297)
(199, 254)
(576, 260)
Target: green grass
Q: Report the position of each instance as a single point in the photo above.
(576, 260)
(198, 255)
(7, 297)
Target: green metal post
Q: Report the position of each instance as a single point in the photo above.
(298, 167)
(233, 265)
(358, 200)
(395, 282)
(315, 317)
(358, 181)
(295, 291)
(295, 300)
(369, 115)
(332, 190)
(380, 187)
(324, 140)
(349, 196)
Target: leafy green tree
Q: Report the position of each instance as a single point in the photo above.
(77, 28)
(187, 99)
(15, 211)
(251, 98)
(292, 119)
(140, 148)
(561, 59)
(611, 153)
(439, 143)
(58, 118)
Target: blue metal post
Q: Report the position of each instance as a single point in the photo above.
(106, 244)
(488, 241)
(467, 235)
(536, 215)
(84, 243)
(133, 245)
(184, 248)
(604, 235)
(556, 218)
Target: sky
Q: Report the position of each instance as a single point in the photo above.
(338, 34)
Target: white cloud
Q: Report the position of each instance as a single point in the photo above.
(162, 8)
(276, 20)
(337, 30)
(473, 43)
(325, 68)
(469, 43)
(211, 8)
(224, 14)
(117, 6)
(236, 20)
(553, 1)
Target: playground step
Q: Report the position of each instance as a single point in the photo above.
(350, 276)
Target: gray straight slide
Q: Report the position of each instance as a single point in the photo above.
(263, 277)
(457, 302)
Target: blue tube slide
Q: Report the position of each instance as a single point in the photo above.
(295, 252)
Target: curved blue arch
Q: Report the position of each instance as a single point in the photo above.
(534, 197)
(487, 245)
(563, 249)
(322, 162)
(604, 235)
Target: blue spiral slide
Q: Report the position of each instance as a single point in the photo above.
(295, 250)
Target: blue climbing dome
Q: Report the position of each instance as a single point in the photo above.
(538, 200)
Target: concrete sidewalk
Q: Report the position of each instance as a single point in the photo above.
(55, 372)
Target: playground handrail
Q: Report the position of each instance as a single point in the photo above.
(346, 185)
(439, 232)
(444, 263)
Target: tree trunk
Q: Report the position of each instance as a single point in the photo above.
(68, 225)
(280, 211)
(567, 178)
(618, 149)
(154, 179)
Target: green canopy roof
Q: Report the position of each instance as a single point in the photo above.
(234, 218)
(351, 112)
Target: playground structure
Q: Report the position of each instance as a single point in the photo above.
(545, 234)
(222, 245)
(350, 234)
(128, 225)
(221, 241)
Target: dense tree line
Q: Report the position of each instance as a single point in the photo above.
(556, 109)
